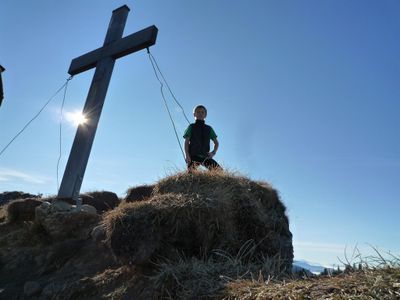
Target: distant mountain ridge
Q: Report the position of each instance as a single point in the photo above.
(314, 268)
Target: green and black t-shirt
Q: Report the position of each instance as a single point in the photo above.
(199, 135)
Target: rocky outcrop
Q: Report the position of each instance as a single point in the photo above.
(61, 220)
(188, 235)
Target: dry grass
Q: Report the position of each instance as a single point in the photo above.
(376, 277)
(383, 283)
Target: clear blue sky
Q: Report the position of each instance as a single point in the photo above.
(302, 94)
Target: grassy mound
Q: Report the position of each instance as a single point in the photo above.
(139, 193)
(22, 210)
(195, 214)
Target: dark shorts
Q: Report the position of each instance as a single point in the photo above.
(209, 163)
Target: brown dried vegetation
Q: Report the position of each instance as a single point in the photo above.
(370, 283)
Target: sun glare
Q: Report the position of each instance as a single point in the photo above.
(76, 118)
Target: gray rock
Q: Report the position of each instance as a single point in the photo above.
(46, 205)
(59, 205)
(98, 233)
(61, 224)
(89, 209)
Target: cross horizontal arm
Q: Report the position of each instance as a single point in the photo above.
(127, 45)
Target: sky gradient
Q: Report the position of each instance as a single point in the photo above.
(302, 94)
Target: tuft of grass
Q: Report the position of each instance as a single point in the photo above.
(206, 278)
(22, 210)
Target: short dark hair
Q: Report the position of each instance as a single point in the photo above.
(200, 106)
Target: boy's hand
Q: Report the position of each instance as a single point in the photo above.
(211, 154)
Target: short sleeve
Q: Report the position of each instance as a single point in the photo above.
(188, 132)
(213, 135)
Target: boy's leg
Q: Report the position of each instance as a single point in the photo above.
(211, 164)
(194, 163)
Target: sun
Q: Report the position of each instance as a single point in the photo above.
(76, 118)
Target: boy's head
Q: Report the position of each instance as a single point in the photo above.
(200, 112)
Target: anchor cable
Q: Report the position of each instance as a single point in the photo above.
(37, 114)
(61, 118)
(166, 83)
(165, 103)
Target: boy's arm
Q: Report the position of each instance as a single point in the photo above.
(216, 145)
(188, 160)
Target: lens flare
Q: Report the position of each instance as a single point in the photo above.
(76, 118)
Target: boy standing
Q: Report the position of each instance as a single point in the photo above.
(197, 142)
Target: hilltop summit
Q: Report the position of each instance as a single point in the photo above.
(202, 226)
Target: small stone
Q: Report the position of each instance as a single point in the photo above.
(89, 209)
(45, 205)
(31, 288)
(98, 233)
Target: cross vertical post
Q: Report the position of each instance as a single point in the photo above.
(103, 59)
(1, 84)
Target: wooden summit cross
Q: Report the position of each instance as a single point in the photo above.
(1, 84)
(103, 59)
